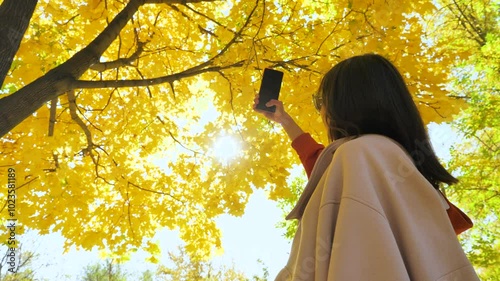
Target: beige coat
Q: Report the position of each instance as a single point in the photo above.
(367, 214)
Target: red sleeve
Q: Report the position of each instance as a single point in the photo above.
(308, 150)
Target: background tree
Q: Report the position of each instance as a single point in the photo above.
(23, 269)
(107, 271)
(476, 158)
(184, 269)
(147, 275)
(111, 110)
(286, 204)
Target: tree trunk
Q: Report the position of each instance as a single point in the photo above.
(21, 104)
(15, 17)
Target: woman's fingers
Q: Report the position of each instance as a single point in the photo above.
(278, 104)
(273, 116)
(255, 101)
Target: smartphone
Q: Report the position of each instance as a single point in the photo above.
(269, 88)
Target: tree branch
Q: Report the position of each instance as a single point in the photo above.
(490, 148)
(293, 62)
(229, 44)
(177, 141)
(21, 104)
(333, 31)
(128, 212)
(435, 108)
(52, 119)
(210, 19)
(176, 1)
(86, 84)
(231, 99)
(76, 118)
(142, 76)
(63, 78)
(102, 66)
(476, 33)
(27, 183)
(155, 191)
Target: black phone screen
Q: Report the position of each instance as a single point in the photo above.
(269, 88)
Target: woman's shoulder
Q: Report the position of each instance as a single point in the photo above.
(369, 142)
(372, 146)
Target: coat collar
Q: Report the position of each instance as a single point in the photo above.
(324, 160)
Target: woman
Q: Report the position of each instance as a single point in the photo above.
(371, 209)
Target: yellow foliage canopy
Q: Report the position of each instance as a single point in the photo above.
(124, 160)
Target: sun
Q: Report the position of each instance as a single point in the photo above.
(226, 148)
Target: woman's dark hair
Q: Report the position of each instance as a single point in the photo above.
(367, 95)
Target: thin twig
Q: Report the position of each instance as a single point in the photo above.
(155, 191)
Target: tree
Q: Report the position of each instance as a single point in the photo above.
(98, 90)
(22, 267)
(186, 269)
(109, 271)
(475, 160)
(265, 272)
(147, 276)
(286, 204)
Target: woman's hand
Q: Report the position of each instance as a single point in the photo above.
(279, 116)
